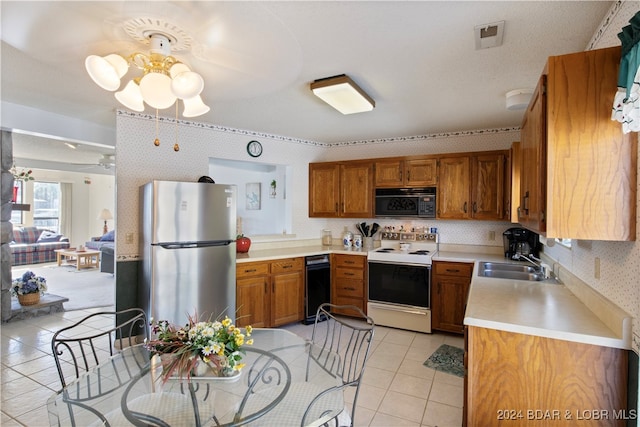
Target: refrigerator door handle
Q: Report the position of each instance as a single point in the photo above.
(187, 245)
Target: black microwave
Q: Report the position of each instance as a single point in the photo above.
(406, 202)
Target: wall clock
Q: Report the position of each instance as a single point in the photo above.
(254, 148)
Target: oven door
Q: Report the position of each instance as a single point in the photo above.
(404, 284)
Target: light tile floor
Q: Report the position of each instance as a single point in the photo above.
(397, 390)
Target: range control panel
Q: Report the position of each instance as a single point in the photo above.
(409, 237)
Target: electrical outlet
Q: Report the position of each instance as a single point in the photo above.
(596, 268)
(128, 238)
(492, 235)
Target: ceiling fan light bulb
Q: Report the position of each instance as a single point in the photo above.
(156, 90)
(106, 71)
(131, 97)
(194, 107)
(186, 85)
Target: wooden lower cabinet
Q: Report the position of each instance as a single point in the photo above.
(287, 291)
(523, 380)
(449, 289)
(270, 293)
(348, 280)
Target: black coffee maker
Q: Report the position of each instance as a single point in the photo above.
(520, 241)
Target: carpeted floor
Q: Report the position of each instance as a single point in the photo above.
(447, 359)
(85, 288)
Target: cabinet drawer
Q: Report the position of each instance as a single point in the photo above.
(349, 261)
(349, 288)
(358, 302)
(252, 269)
(287, 265)
(453, 269)
(349, 273)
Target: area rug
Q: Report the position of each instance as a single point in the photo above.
(86, 288)
(448, 359)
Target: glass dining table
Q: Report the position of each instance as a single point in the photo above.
(286, 381)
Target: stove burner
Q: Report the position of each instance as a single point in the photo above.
(419, 252)
(385, 250)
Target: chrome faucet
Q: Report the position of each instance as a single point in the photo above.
(544, 268)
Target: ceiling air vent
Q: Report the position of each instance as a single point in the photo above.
(489, 35)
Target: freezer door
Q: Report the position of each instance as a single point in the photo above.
(189, 280)
(189, 211)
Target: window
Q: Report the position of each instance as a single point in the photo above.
(46, 202)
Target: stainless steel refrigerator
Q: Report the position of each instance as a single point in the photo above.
(188, 230)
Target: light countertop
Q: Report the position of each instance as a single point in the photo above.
(536, 308)
(296, 251)
(531, 308)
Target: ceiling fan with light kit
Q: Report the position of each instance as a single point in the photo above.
(107, 161)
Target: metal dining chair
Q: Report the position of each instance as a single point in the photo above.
(340, 346)
(348, 337)
(91, 343)
(85, 344)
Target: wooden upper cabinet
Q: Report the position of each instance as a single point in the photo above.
(418, 172)
(453, 188)
(473, 186)
(341, 189)
(533, 167)
(356, 190)
(324, 189)
(488, 186)
(575, 157)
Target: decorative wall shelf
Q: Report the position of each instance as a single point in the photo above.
(20, 207)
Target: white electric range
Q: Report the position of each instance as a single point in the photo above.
(400, 280)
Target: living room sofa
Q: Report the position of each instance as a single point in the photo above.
(106, 245)
(31, 245)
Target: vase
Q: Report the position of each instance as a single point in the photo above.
(215, 369)
(29, 299)
(15, 193)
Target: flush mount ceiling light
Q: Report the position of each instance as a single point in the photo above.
(343, 94)
(518, 99)
(164, 79)
(71, 145)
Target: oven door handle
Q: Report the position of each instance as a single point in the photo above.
(395, 308)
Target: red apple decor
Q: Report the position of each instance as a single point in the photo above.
(242, 243)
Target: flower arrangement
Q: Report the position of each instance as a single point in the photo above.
(23, 175)
(217, 344)
(28, 283)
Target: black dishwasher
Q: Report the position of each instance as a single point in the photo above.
(318, 285)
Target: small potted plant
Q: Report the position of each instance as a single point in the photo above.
(272, 194)
(215, 345)
(28, 288)
(242, 243)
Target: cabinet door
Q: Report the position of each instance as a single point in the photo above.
(488, 187)
(324, 190)
(420, 172)
(453, 188)
(449, 298)
(356, 190)
(533, 170)
(252, 294)
(287, 297)
(389, 173)
(449, 288)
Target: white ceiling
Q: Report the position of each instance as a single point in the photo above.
(417, 59)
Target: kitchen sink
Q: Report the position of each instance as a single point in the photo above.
(501, 266)
(513, 271)
(516, 275)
